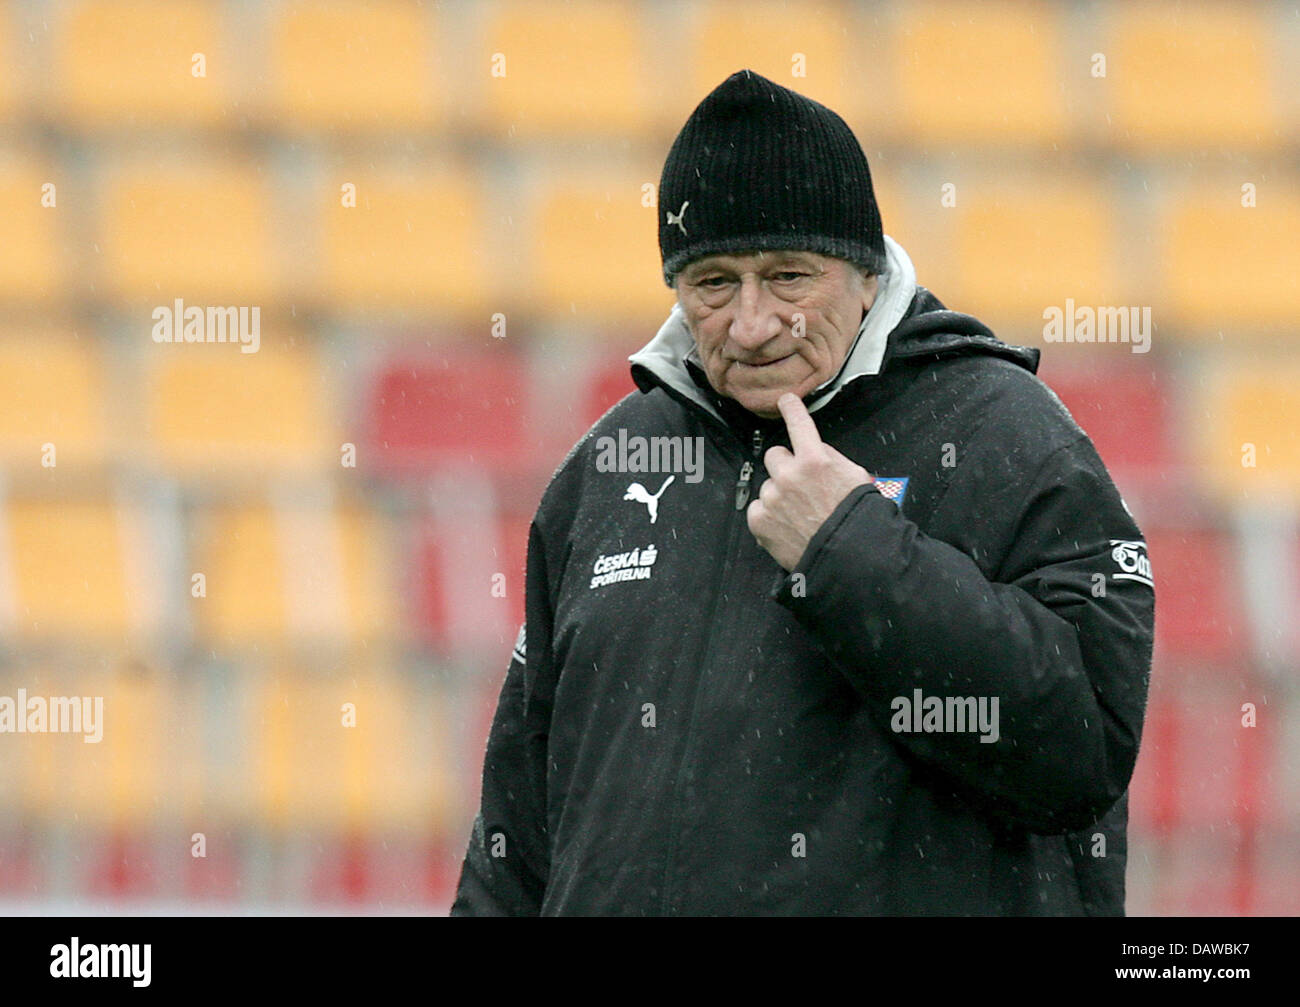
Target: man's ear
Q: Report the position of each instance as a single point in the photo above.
(870, 287)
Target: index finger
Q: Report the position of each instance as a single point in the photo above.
(803, 431)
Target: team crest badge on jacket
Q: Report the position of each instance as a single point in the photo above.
(893, 487)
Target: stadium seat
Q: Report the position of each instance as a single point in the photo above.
(412, 243)
(31, 263)
(338, 562)
(1216, 769)
(1248, 430)
(607, 384)
(51, 392)
(568, 68)
(1228, 271)
(125, 780)
(239, 551)
(31, 778)
(1123, 409)
(214, 411)
(802, 46)
(303, 571)
(987, 73)
(452, 407)
(131, 62)
(1286, 780)
(1193, 75)
(595, 254)
(369, 587)
(1152, 797)
(194, 230)
(1202, 873)
(67, 570)
(1277, 873)
(460, 560)
(314, 772)
(347, 64)
(1199, 617)
(1028, 243)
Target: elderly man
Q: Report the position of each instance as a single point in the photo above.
(889, 655)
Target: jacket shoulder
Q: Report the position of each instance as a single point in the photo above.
(1014, 407)
(637, 412)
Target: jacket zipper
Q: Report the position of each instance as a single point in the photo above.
(746, 471)
(742, 496)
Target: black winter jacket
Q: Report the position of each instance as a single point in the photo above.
(686, 729)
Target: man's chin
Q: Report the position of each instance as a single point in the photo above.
(764, 403)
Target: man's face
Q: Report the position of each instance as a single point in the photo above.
(746, 312)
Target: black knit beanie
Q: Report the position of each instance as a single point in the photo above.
(758, 167)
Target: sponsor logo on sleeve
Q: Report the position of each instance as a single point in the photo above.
(1131, 558)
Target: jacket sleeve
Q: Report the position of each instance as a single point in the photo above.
(1060, 635)
(506, 865)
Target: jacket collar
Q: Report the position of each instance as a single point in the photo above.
(669, 353)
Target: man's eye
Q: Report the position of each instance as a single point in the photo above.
(713, 281)
(789, 276)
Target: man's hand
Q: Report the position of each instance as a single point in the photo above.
(803, 487)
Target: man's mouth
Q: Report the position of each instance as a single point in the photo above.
(765, 363)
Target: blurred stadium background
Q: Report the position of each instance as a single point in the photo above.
(470, 316)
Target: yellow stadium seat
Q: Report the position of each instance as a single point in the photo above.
(595, 253)
(911, 213)
(1248, 430)
(215, 410)
(338, 572)
(299, 571)
(51, 392)
(353, 63)
(1230, 267)
(410, 242)
(128, 62)
(370, 595)
(980, 72)
(322, 763)
(31, 778)
(802, 46)
(198, 231)
(67, 569)
(573, 67)
(243, 603)
(394, 772)
(1192, 74)
(1025, 244)
(125, 780)
(31, 266)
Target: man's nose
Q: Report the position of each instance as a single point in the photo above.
(756, 320)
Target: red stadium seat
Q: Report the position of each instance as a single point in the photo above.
(1199, 618)
(460, 565)
(1201, 874)
(1123, 409)
(609, 382)
(1200, 767)
(448, 408)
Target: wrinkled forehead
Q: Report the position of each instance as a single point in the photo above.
(744, 261)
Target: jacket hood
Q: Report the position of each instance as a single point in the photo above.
(904, 321)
